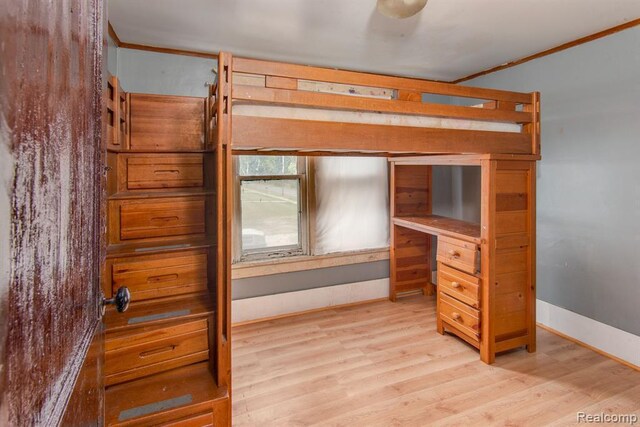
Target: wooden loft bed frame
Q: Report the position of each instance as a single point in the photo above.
(473, 259)
(280, 84)
(170, 205)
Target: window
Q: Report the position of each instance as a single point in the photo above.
(346, 208)
(271, 207)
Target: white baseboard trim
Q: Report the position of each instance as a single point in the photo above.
(610, 340)
(605, 338)
(268, 306)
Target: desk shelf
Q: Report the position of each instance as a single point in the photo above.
(441, 226)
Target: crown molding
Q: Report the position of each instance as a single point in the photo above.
(125, 45)
(553, 50)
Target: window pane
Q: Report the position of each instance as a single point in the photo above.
(269, 214)
(268, 165)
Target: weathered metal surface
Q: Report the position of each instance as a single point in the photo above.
(51, 195)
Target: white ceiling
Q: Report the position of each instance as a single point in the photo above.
(449, 39)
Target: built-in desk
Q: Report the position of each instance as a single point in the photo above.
(485, 272)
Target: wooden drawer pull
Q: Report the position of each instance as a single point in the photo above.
(165, 218)
(157, 351)
(456, 316)
(162, 278)
(456, 285)
(454, 254)
(172, 171)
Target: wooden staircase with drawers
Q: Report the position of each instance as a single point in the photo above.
(167, 358)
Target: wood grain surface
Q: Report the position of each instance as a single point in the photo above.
(383, 364)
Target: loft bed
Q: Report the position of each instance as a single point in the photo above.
(286, 108)
(486, 271)
(167, 155)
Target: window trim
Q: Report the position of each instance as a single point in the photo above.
(248, 269)
(266, 254)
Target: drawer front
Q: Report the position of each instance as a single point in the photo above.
(161, 218)
(130, 355)
(459, 285)
(199, 420)
(161, 275)
(464, 318)
(157, 172)
(459, 254)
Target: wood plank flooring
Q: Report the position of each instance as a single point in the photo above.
(383, 364)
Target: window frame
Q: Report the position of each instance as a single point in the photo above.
(239, 254)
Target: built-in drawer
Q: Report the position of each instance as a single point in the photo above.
(204, 419)
(132, 354)
(459, 254)
(148, 172)
(459, 285)
(136, 219)
(459, 315)
(157, 276)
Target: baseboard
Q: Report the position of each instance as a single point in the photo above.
(604, 339)
(269, 307)
(615, 343)
(313, 310)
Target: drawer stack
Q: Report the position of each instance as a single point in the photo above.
(459, 289)
(161, 246)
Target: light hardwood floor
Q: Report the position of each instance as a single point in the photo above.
(384, 364)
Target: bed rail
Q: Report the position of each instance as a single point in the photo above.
(291, 85)
(211, 114)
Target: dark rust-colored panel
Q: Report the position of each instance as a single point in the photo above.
(50, 161)
(87, 398)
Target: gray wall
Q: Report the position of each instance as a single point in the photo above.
(589, 178)
(309, 279)
(112, 56)
(160, 73)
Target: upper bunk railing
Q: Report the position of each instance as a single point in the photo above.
(211, 114)
(292, 85)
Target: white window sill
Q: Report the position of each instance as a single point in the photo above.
(246, 269)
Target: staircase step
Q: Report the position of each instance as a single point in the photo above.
(150, 248)
(165, 310)
(186, 396)
(139, 352)
(160, 194)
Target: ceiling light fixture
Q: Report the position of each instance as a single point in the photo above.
(400, 8)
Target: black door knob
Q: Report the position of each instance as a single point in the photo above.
(121, 300)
